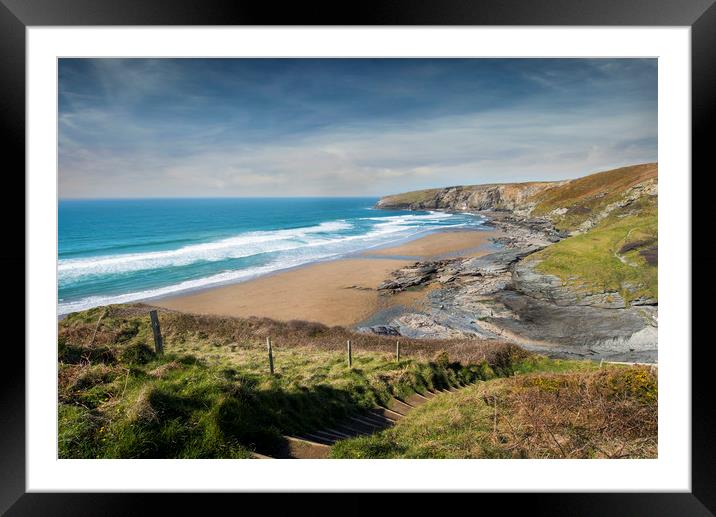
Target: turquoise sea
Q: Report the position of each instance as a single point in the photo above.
(114, 251)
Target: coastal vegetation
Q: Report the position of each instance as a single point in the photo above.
(571, 204)
(617, 247)
(210, 395)
(572, 412)
(617, 255)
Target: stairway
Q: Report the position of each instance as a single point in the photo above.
(317, 444)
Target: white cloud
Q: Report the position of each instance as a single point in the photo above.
(515, 144)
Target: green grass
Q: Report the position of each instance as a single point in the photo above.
(609, 257)
(569, 410)
(408, 198)
(211, 395)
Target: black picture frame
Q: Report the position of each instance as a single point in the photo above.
(17, 15)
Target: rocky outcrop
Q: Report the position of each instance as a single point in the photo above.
(516, 231)
(491, 266)
(526, 280)
(501, 296)
(418, 273)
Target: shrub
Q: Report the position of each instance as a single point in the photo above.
(442, 359)
(127, 331)
(137, 353)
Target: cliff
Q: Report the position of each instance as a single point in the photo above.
(573, 205)
(583, 250)
(507, 196)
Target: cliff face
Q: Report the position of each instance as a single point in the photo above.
(574, 206)
(508, 196)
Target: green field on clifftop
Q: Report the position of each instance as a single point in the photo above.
(618, 255)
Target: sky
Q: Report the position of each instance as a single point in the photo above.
(345, 127)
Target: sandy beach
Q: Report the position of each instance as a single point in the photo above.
(437, 244)
(339, 292)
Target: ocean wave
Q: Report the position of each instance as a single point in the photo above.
(429, 217)
(243, 245)
(326, 234)
(292, 247)
(187, 285)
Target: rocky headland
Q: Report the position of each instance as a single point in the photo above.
(575, 273)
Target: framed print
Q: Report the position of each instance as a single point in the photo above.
(419, 241)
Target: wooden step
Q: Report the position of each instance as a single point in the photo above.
(387, 413)
(337, 432)
(349, 431)
(361, 425)
(398, 406)
(380, 421)
(297, 448)
(314, 438)
(329, 437)
(415, 400)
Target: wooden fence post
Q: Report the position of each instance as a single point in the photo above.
(270, 354)
(494, 421)
(158, 343)
(397, 351)
(350, 355)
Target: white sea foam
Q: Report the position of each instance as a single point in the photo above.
(188, 285)
(244, 245)
(296, 246)
(241, 246)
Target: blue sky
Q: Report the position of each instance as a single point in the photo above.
(345, 127)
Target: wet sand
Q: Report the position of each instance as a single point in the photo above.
(437, 244)
(339, 292)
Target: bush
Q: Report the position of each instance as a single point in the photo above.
(127, 331)
(137, 353)
(75, 354)
(442, 359)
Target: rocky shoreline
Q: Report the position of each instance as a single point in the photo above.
(502, 296)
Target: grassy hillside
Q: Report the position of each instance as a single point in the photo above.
(620, 254)
(413, 197)
(211, 395)
(572, 412)
(583, 198)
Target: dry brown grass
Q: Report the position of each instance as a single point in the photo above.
(603, 413)
(251, 333)
(610, 413)
(606, 184)
(161, 371)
